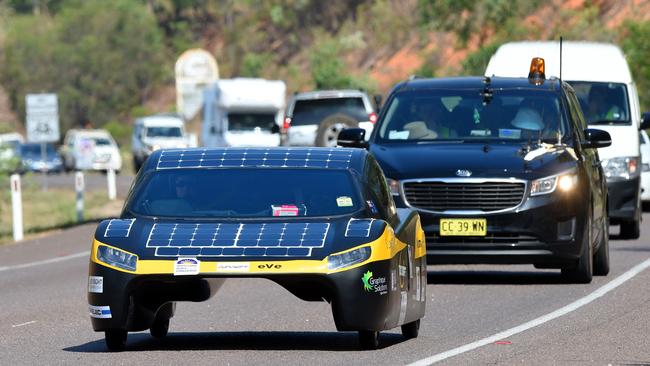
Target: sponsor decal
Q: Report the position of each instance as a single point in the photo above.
(285, 210)
(96, 284)
(236, 267)
(269, 266)
(393, 280)
(186, 266)
(372, 207)
(374, 284)
(101, 312)
(344, 201)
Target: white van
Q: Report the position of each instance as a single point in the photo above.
(243, 112)
(603, 84)
(151, 133)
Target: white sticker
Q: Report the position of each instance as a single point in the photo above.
(96, 284)
(418, 284)
(393, 280)
(402, 307)
(398, 135)
(236, 267)
(101, 312)
(187, 266)
(344, 201)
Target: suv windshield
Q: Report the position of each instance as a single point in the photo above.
(246, 192)
(243, 121)
(313, 111)
(424, 115)
(602, 102)
(164, 132)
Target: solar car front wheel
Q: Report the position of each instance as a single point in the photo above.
(159, 328)
(369, 339)
(115, 339)
(411, 330)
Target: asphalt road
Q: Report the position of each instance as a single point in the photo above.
(487, 315)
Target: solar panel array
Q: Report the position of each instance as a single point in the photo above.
(232, 240)
(118, 228)
(358, 228)
(256, 157)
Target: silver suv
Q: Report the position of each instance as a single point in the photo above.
(316, 118)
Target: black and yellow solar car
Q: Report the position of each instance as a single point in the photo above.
(320, 222)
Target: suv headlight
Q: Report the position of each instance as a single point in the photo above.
(563, 182)
(621, 168)
(394, 186)
(117, 258)
(346, 259)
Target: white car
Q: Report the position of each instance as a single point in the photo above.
(90, 150)
(157, 132)
(644, 141)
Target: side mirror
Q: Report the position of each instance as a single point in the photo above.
(352, 137)
(377, 98)
(645, 121)
(275, 128)
(595, 138)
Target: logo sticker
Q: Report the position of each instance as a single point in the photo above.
(372, 207)
(344, 201)
(96, 284)
(100, 312)
(374, 285)
(186, 267)
(236, 267)
(463, 173)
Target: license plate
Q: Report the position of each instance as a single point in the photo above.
(463, 227)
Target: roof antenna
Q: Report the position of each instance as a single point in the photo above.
(560, 60)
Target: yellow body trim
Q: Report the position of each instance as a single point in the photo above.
(383, 248)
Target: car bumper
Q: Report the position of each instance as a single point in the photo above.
(623, 200)
(545, 230)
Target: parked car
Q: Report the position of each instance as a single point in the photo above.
(607, 94)
(156, 132)
(9, 159)
(196, 217)
(501, 170)
(90, 150)
(31, 158)
(644, 142)
(316, 118)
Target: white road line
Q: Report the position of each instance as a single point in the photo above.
(538, 321)
(46, 261)
(22, 324)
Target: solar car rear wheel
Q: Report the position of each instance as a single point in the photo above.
(330, 127)
(159, 328)
(411, 330)
(369, 339)
(115, 339)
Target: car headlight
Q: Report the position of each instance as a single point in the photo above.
(117, 258)
(561, 182)
(341, 260)
(394, 186)
(621, 168)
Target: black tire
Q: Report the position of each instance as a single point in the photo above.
(582, 270)
(159, 328)
(630, 229)
(137, 164)
(329, 128)
(369, 339)
(411, 330)
(116, 339)
(601, 257)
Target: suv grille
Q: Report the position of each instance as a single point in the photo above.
(440, 196)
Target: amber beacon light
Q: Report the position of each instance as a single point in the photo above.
(537, 68)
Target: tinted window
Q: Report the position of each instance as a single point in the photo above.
(602, 102)
(164, 132)
(100, 141)
(420, 115)
(313, 111)
(250, 121)
(246, 192)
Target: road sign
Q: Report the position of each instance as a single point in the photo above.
(195, 69)
(42, 117)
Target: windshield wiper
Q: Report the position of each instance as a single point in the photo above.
(440, 142)
(606, 122)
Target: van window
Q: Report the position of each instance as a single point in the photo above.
(245, 121)
(603, 103)
(164, 132)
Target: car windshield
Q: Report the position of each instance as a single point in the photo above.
(245, 193)
(35, 149)
(467, 115)
(244, 121)
(101, 141)
(313, 111)
(164, 132)
(603, 103)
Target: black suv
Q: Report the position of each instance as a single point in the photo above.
(501, 170)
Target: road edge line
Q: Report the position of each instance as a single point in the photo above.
(46, 261)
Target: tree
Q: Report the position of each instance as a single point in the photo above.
(636, 43)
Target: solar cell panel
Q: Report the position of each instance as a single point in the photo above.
(358, 228)
(117, 228)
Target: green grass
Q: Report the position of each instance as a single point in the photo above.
(51, 209)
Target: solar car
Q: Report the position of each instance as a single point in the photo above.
(320, 222)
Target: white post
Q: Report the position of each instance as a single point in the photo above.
(79, 188)
(110, 177)
(17, 207)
